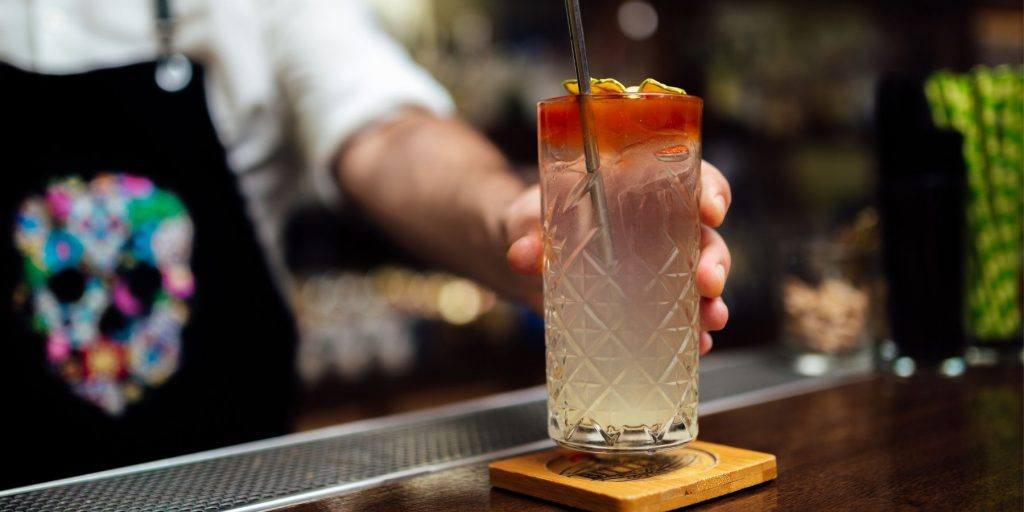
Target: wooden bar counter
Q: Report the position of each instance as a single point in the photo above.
(886, 443)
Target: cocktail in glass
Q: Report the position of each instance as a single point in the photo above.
(622, 322)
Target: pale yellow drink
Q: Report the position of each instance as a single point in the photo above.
(622, 333)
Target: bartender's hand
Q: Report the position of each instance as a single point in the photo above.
(525, 253)
(443, 191)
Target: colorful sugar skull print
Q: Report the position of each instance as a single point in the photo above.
(106, 283)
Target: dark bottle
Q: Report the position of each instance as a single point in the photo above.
(922, 187)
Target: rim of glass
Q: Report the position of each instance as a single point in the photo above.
(623, 96)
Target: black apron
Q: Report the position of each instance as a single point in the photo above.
(90, 378)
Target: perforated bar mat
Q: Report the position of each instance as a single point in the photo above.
(235, 481)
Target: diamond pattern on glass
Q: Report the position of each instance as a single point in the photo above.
(622, 336)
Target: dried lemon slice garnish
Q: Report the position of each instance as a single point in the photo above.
(597, 86)
(613, 86)
(652, 85)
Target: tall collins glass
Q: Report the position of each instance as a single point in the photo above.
(622, 325)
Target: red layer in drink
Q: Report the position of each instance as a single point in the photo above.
(619, 119)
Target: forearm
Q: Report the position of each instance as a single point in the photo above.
(439, 189)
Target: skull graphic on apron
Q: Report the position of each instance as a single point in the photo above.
(107, 276)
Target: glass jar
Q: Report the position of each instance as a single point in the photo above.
(829, 295)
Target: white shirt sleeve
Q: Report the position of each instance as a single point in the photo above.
(339, 72)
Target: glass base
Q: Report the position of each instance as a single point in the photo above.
(629, 441)
(905, 366)
(638, 430)
(623, 450)
(815, 364)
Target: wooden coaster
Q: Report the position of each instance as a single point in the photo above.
(636, 483)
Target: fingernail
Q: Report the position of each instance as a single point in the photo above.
(720, 273)
(720, 205)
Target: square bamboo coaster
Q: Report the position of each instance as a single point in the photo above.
(634, 483)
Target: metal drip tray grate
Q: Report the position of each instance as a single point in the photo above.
(301, 467)
(264, 475)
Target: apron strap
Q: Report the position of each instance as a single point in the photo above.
(173, 70)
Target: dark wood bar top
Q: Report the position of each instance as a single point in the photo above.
(920, 443)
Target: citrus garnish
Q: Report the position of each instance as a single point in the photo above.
(613, 86)
(652, 85)
(597, 86)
